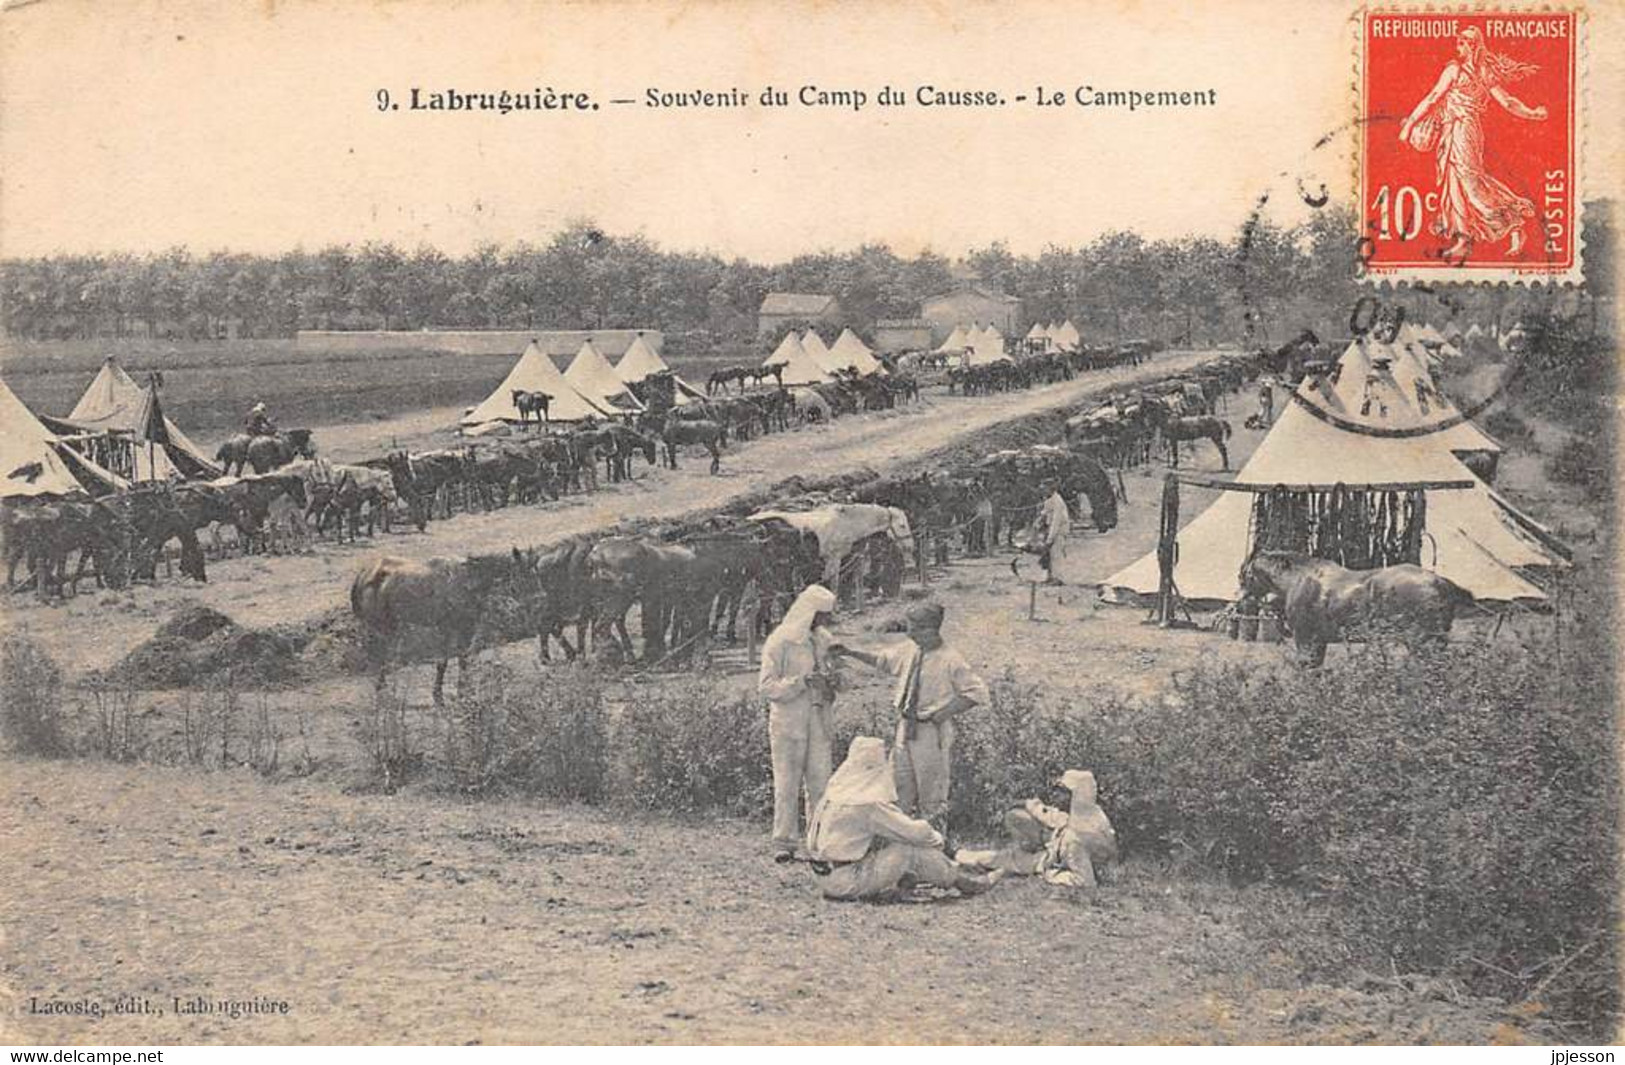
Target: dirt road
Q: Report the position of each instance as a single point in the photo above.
(95, 630)
(408, 919)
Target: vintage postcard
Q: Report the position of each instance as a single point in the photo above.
(744, 522)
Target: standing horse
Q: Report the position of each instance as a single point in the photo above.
(435, 610)
(1321, 600)
(706, 433)
(531, 403)
(1175, 429)
(266, 453)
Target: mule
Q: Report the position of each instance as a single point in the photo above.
(1321, 600)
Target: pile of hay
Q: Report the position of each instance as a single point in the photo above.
(198, 646)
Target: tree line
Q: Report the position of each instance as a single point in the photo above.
(1264, 284)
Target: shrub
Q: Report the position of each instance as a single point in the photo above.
(545, 736)
(31, 710)
(691, 745)
(1585, 462)
(385, 735)
(1508, 427)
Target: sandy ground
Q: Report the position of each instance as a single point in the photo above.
(411, 920)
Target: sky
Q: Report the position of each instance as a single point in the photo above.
(255, 127)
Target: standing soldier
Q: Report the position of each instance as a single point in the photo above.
(934, 685)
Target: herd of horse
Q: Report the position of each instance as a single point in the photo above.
(1034, 368)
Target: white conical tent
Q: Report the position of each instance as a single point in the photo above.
(113, 402)
(31, 461)
(956, 341)
(1039, 338)
(986, 345)
(641, 360)
(1066, 336)
(818, 351)
(595, 378)
(799, 367)
(535, 372)
(851, 353)
(1475, 538)
(1404, 396)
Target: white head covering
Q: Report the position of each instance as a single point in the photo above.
(814, 599)
(865, 777)
(1081, 783)
(259, 408)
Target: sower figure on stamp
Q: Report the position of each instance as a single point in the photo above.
(934, 685)
(1474, 206)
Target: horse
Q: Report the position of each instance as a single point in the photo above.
(719, 379)
(627, 570)
(437, 609)
(529, 403)
(707, 433)
(266, 453)
(1321, 600)
(1175, 429)
(617, 445)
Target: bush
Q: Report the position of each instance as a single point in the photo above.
(1440, 807)
(1585, 462)
(691, 745)
(31, 711)
(1508, 427)
(547, 736)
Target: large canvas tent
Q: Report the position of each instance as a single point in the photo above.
(33, 463)
(850, 353)
(595, 378)
(1474, 537)
(114, 403)
(535, 372)
(956, 341)
(819, 352)
(800, 368)
(984, 346)
(1066, 336)
(641, 360)
(1039, 337)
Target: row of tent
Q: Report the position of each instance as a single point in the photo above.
(588, 388)
(53, 456)
(984, 344)
(1351, 428)
(808, 361)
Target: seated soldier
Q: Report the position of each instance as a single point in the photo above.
(864, 847)
(1070, 848)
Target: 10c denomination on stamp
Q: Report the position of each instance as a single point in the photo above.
(1469, 145)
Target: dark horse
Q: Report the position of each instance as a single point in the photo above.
(265, 453)
(531, 403)
(706, 433)
(1320, 600)
(437, 609)
(1176, 429)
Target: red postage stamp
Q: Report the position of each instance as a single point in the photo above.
(1469, 145)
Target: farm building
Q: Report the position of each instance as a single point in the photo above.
(563, 343)
(902, 334)
(782, 308)
(971, 304)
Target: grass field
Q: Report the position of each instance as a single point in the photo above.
(209, 386)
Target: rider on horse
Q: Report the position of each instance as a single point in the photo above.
(259, 423)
